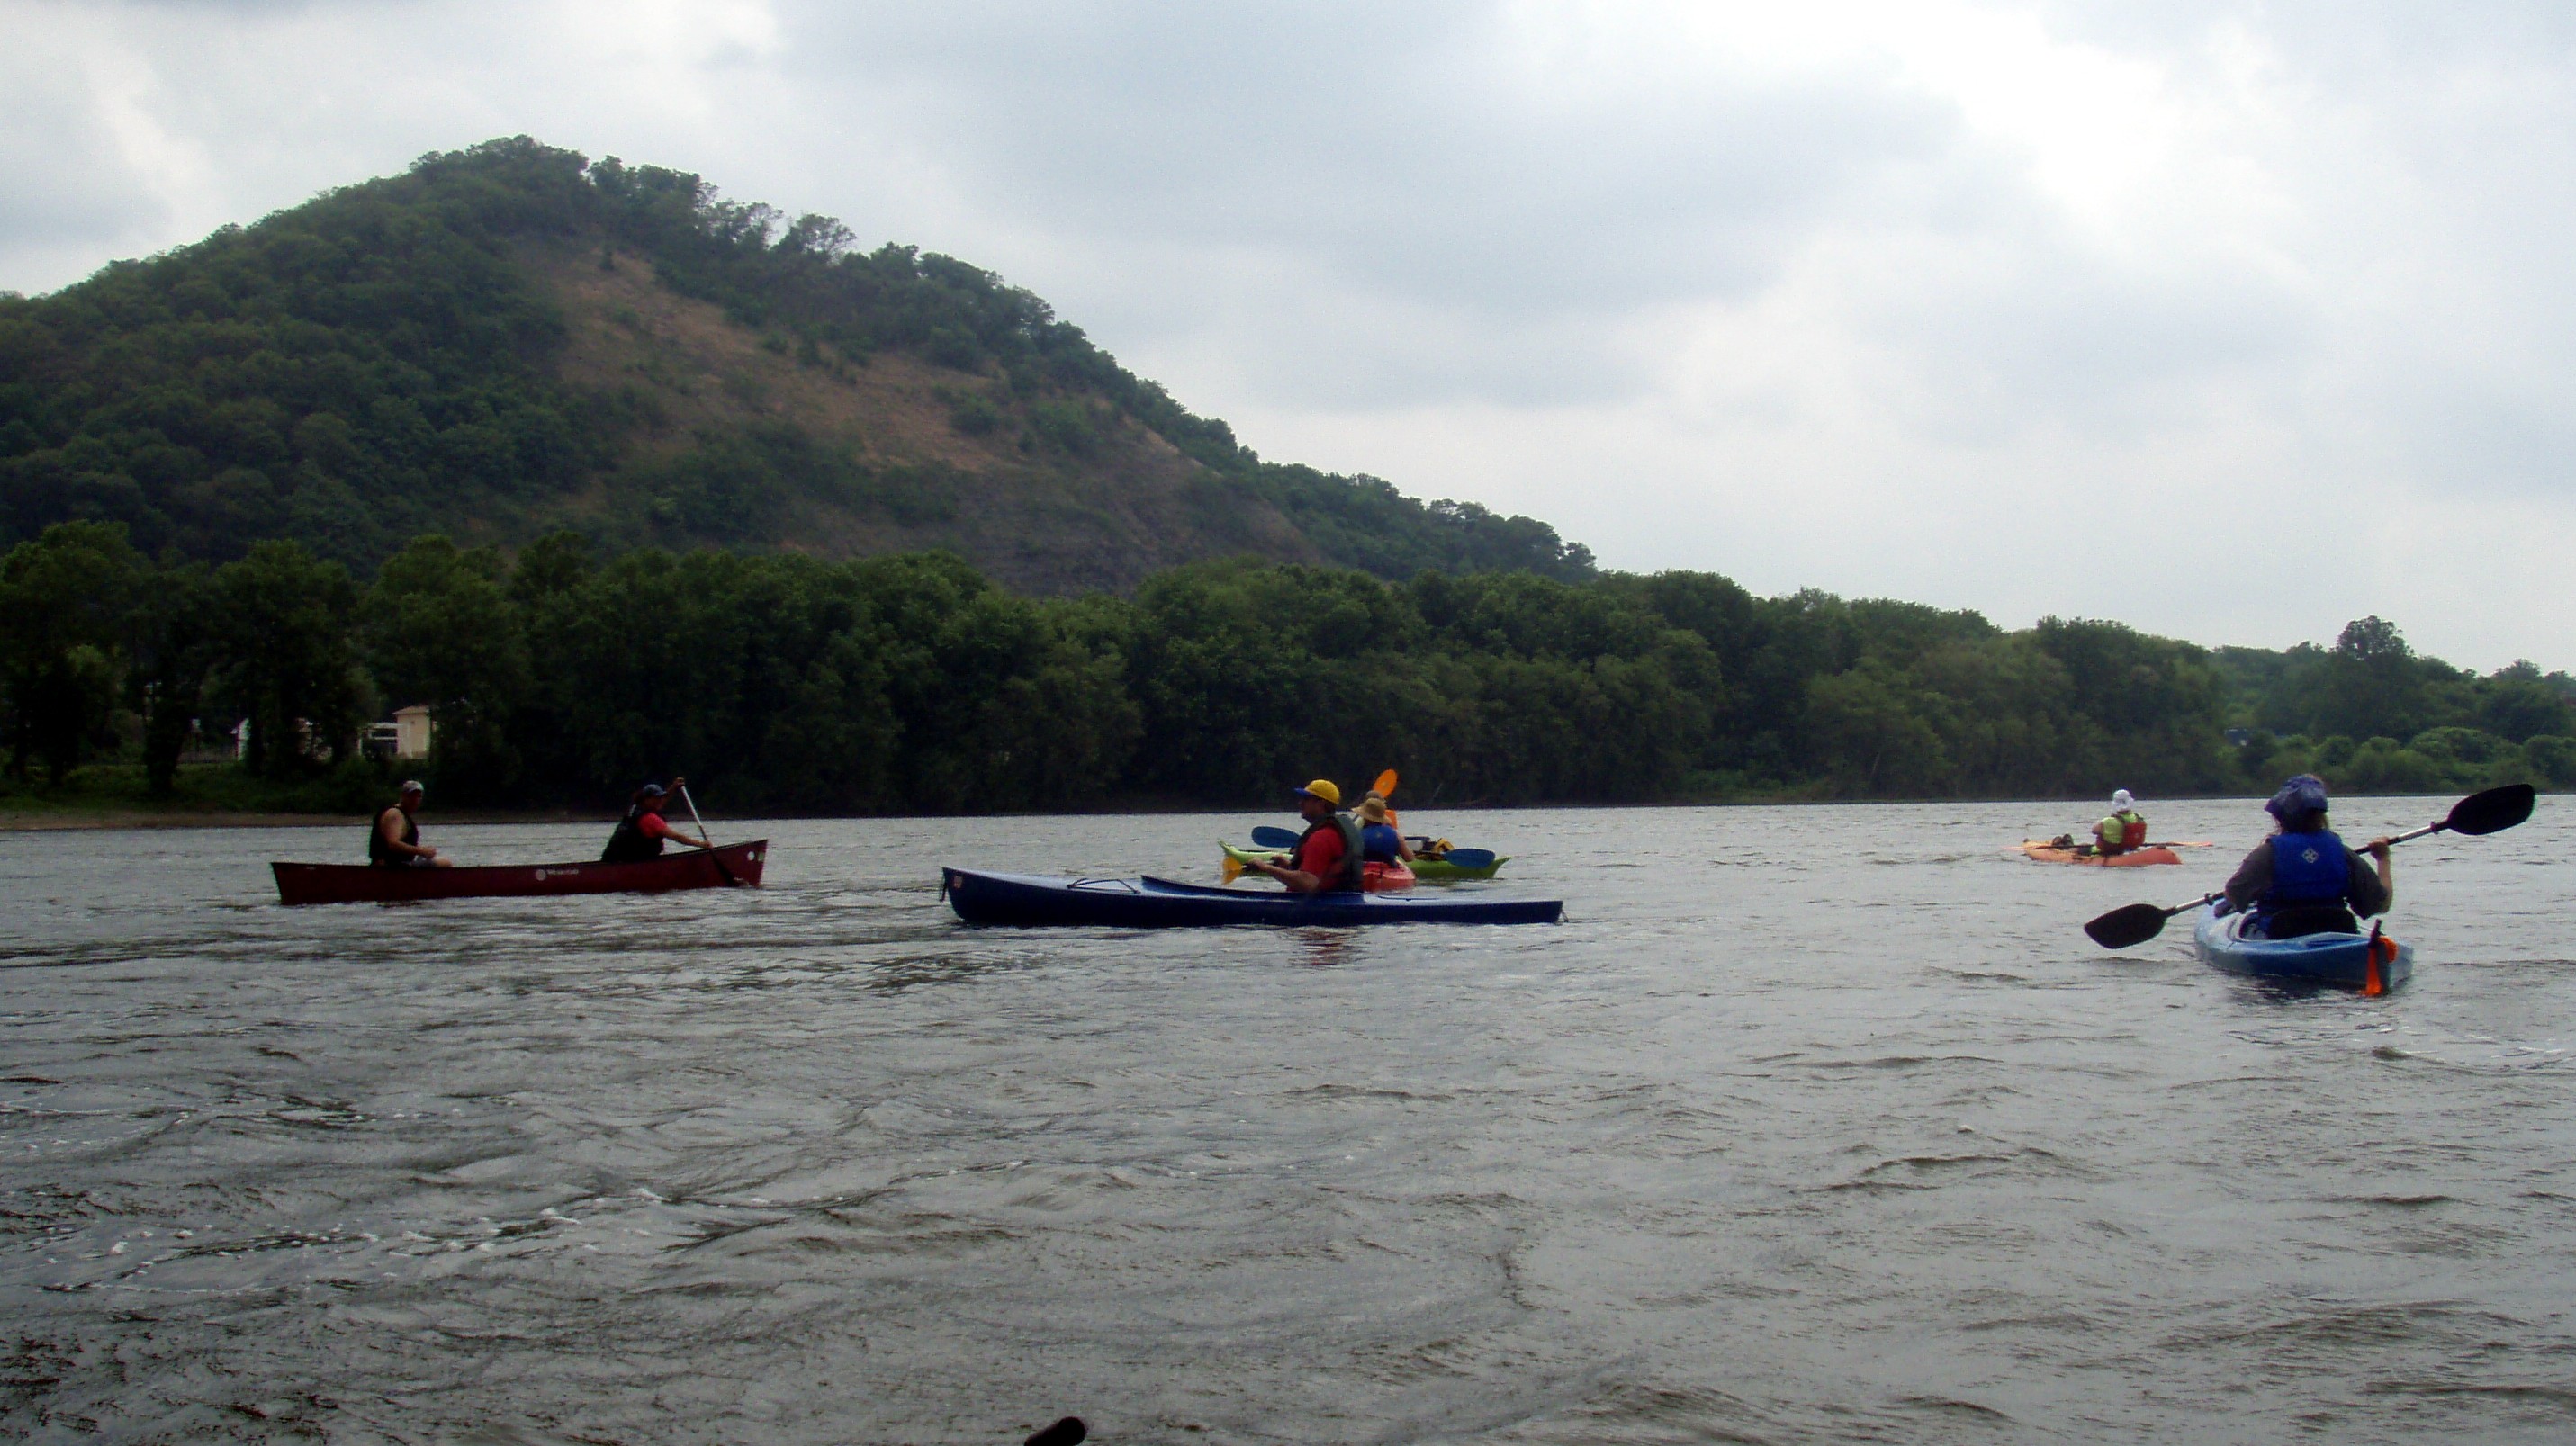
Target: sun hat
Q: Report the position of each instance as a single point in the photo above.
(2120, 798)
(1325, 789)
(2301, 795)
(1373, 808)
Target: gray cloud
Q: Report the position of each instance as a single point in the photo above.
(1930, 298)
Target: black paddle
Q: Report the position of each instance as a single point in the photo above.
(1266, 837)
(713, 857)
(2493, 811)
(2137, 923)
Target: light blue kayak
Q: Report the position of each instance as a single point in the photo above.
(2342, 960)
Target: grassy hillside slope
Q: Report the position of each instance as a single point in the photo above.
(511, 339)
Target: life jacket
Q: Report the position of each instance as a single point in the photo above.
(2120, 833)
(630, 844)
(1354, 857)
(384, 855)
(1381, 844)
(2311, 877)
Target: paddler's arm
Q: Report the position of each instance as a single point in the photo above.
(2251, 878)
(658, 824)
(2368, 900)
(1298, 880)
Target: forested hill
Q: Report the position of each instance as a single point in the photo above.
(511, 340)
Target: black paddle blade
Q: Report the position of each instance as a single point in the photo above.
(1067, 1432)
(2493, 811)
(2135, 924)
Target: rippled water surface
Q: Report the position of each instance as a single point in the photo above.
(1812, 1124)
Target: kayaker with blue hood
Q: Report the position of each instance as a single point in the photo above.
(1327, 858)
(2304, 879)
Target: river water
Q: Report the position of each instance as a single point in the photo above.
(1809, 1124)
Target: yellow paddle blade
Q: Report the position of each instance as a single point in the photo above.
(1233, 868)
(1385, 786)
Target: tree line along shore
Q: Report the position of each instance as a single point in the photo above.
(559, 680)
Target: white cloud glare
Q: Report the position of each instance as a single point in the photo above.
(2232, 321)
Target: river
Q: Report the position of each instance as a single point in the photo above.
(1811, 1124)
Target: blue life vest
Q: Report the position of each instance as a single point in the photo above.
(1379, 843)
(2307, 868)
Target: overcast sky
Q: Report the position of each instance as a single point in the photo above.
(2230, 321)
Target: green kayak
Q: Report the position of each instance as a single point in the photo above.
(1424, 868)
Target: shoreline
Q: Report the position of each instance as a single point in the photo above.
(75, 819)
(71, 819)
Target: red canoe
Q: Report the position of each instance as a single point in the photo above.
(361, 884)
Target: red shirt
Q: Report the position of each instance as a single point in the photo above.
(653, 825)
(1321, 853)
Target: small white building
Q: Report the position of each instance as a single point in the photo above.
(411, 731)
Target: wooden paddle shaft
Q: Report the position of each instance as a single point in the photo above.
(703, 841)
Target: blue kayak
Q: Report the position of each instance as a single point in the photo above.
(2342, 960)
(1151, 903)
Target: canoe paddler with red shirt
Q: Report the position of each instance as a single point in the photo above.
(642, 832)
(1327, 858)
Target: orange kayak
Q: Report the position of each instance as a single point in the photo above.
(2043, 852)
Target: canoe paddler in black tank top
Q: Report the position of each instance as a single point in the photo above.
(394, 841)
(641, 833)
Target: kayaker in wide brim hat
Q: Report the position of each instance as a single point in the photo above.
(1380, 842)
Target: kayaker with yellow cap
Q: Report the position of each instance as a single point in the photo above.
(1327, 858)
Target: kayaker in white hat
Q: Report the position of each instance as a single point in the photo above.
(2124, 830)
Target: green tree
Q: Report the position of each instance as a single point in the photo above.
(2370, 685)
(1873, 732)
(284, 623)
(439, 629)
(176, 647)
(64, 612)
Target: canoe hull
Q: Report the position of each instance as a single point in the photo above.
(2044, 853)
(361, 884)
(1151, 903)
(2339, 960)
